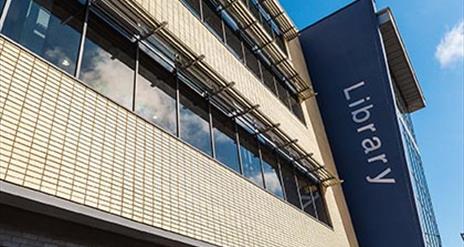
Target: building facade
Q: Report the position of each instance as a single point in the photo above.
(161, 123)
(367, 90)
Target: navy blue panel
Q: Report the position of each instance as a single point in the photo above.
(347, 65)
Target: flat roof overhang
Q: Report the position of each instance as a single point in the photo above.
(399, 63)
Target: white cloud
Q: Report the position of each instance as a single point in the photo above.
(451, 48)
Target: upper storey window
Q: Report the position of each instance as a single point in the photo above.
(194, 120)
(155, 96)
(227, 30)
(291, 189)
(195, 5)
(250, 157)
(271, 173)
(49, 28)
(108, 62)
(212, 19)
(225, 141)
(261, 14)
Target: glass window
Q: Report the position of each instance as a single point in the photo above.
(233, 40)
(306, 189)
(291, 190)
(212, 18)
(271, 172)
(252, 62)
(155, 95)
(49, 28)
(268, 79)
(250, 157)
(108, 62)
(194, 120)
(225, 142)
(194, 6)
(321, 208)
(296, 108)
(283, 93)
(281, 42)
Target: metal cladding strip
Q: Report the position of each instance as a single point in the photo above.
(134, 15)
(251, 26)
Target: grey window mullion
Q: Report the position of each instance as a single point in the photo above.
(177, 103)
(298, 189)
(136, 73)
(6, 7)
(261, 162)
(211, 132)
(201, 11)
(314, 203)
(281, 179)
(82, 42)
(237, 140)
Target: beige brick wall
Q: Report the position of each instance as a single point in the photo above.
(185, 26)
(61, 138)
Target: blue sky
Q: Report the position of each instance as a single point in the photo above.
(439, 127)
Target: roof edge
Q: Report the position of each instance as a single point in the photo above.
(386, 19)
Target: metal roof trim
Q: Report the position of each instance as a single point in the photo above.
(399, 62)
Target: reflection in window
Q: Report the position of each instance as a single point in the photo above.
(252, 62)
(194, 123)
(268, 79)
(283, 93)
(108, 62)
(306, 189)
(231, 36)
(272, 178)
(250, 158)
(296, 108)
(49, 28)
(155, 96)
(224, 141)
(291, 190)
(194, 5)
(320, 206)
(212, 19)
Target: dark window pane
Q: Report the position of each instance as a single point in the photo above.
(252, 62)
(272, 178)
(225, 142)
(194, 6)
(108, 62)
(212, 18)
(283, 94)
(51, 29)
(268, 79)
(320, 206)
(268, 28)
(2, 3)
(306, 189)
(291, 190)
(254, 9)
(194, 123)
(155, 96)
(233, 41)
(281, 43)
(250, 158)
(296, 108)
